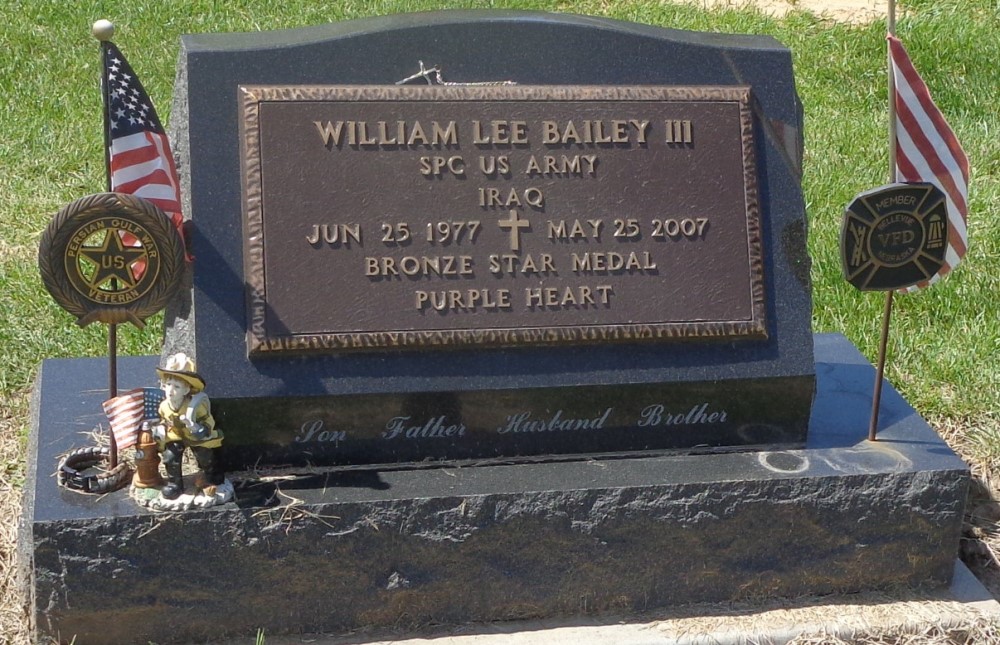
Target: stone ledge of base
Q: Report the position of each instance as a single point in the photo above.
(772, 622)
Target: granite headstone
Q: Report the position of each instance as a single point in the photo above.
(589, 239)
(310, 360)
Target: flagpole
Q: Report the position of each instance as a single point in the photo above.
(103, 30)
(891, 28)
(887, 310)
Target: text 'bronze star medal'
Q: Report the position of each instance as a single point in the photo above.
(111, 258)
(894, 237)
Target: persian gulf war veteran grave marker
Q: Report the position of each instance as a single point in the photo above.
(604, 257)
(607, 256)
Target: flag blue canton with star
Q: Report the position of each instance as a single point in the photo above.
(129, 106)
(152, 396)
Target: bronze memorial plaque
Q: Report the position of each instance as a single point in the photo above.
(401, 216)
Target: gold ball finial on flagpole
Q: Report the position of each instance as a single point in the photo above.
(103, 30)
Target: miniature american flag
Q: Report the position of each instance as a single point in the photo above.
(927, 150)
(140, 157)
(127, 411)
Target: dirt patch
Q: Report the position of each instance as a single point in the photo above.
(13, 620)
(851, 11)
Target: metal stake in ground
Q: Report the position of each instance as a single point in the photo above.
(887, 310)
(905, 236)
(103, 30)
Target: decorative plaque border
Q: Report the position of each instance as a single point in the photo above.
(259, 343)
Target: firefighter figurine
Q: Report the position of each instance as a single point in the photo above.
(186, 422)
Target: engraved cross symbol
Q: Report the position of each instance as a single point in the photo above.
(515, 224)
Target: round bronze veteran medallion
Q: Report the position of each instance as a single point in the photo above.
(111, 258)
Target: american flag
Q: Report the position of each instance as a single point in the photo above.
(126, 411)
(140, 157)
(927, 150)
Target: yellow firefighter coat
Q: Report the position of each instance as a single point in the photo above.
(177, 431)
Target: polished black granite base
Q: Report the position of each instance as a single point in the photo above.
(399, 549)
(516, 424)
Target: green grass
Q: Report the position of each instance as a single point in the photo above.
(944, 343)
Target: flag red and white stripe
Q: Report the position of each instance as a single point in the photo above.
(142, 165)
(927, 150)
(126, 411)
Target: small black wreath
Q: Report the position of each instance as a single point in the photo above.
(58, 243)
(73, 465)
